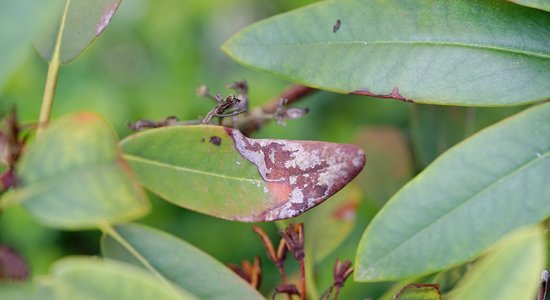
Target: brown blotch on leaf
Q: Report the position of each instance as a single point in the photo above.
(394, 94)
(215, 140)
(298, 174)
(420, 286)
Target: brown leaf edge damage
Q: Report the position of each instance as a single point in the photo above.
(394, 94)
(410, 286)
(298, 174)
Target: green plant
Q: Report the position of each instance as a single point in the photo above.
(463, 221)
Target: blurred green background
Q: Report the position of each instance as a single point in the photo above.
(148, 64)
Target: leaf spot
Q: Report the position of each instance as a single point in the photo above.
(215, 140)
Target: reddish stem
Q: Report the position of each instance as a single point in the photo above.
(303, 279)
(292, 94)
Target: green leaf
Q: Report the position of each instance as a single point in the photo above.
(19, 22)
(328, 225)
(389, 163)
(467, 199)
(460, 52)
(89, 279)
(419, 291)
(80, 23)
(218, 171)
(73, 177)
(540, 4)
(509, 272)
(179, 262)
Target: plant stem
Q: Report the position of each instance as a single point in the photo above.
(51, 79)
(257, 117)
(109, 230)
(303, 279)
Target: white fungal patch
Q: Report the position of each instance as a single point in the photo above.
(300, 174)
(272, 155)
(292, 179)
(255, 157)
(301, 158)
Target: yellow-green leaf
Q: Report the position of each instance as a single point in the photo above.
(510, 271)
(72, 176)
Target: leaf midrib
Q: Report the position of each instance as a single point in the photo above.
(474, 196)
(185, 169)
(408, 43)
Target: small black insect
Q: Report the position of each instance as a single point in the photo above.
(336, 26)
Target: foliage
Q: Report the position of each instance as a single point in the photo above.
(446, 214)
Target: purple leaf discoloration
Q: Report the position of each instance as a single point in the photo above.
(106, 17)
(394, 94)
(298, 174)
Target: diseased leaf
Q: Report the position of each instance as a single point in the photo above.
(389, 165)
(218, 171)
(84, 21)
(540, 4)
(329, 224)
(451, 52)
(466, 200)
(73, 177)
(510, 271)
(419, 291)
(179, 262)
(91, 278)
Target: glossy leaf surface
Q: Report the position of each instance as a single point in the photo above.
(466, 52)
(467, 199)
(218, 171)
(179, 262)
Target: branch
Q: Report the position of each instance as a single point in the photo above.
(260, 116)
